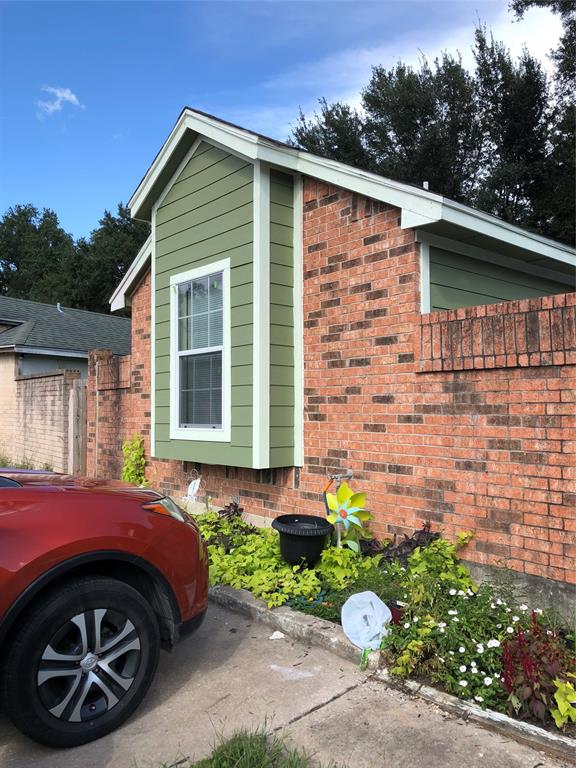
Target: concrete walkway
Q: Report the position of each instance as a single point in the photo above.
(231, 675)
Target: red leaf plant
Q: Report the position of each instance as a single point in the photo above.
(532, 659)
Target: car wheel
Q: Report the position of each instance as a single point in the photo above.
(81, 662)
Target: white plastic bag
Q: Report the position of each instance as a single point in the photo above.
(364, 620)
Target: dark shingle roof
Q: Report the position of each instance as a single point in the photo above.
(43, 325)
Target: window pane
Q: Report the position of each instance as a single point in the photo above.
(201, 390)
(183, 299)
(184, 333)
(216, 329)
(200, 296)
(200, 332)
(216, 295)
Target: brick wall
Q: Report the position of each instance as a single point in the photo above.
(432, 427)
(40, 435)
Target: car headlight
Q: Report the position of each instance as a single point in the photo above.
(167, 507)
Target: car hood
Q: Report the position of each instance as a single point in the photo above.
(54, 480)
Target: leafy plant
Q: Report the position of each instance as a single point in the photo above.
(437, 564)
(565, 698)
(134, 468)
(533, 660)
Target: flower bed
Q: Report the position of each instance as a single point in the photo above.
(478, 643)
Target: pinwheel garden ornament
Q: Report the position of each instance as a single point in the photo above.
(347, 514)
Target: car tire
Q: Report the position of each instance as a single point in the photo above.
(81, 662)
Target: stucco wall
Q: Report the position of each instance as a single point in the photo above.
(7, 403)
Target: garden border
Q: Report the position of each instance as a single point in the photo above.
(326, 634)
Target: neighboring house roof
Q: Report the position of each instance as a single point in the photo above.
(421, 209)
(35, 327)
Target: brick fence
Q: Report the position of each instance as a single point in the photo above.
(447, 417)
(41, 430)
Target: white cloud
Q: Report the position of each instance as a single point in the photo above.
(61, 96)
(342, 75)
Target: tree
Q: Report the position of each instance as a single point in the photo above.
(514, 114)
(36, 255)
(41, 262)
(104, 258)
(495, 139)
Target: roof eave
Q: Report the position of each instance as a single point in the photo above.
(120, 299)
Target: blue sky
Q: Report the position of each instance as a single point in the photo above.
(90, 90)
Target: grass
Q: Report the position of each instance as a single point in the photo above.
(7, 462)
(247, 749)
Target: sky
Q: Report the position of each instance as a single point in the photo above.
(90, 90)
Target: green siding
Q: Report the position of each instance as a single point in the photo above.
(207, 215)
(281, 320)
(461, 281)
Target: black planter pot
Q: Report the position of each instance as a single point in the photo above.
(302, 537)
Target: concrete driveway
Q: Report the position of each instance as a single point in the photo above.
(231, 675)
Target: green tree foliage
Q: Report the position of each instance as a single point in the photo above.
(105, 257)
(500, 138)
(41, 262)
(36, 255)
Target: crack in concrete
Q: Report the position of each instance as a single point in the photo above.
(321, 705)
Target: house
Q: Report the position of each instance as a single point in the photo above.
(43, 351)
(293, 316)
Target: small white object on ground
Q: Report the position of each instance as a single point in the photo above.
(277, 635)
(364, 620)
(289, 673)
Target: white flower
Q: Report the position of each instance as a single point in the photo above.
(523, 607)
(493, 644)
(452, 613)
(499, 602)
(452, 592)
(515, 618)
(462, 649)
(492, 606)
(442, 624)
(455, 618)
(487, 681)
(510, 630)
(407, 625)
(442, 630)
(478, 698)
(498, 626)
(480, 648)
(462, 667)
(538, 610)
(549, 632)
(415, 619)
(474, 670)
(469, 592)
(460, 592)
(508, 610)
(440, 659)
(472, 663)
(451, 653)
(463, 683)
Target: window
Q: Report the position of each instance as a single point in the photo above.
(200, 358)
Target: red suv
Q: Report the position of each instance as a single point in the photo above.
(94, 577)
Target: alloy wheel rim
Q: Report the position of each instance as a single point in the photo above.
(89, 665)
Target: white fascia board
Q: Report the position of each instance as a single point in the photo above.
(488, 225)
(118, 298)
(49, 352)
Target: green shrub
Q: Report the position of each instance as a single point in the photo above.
(134, 469)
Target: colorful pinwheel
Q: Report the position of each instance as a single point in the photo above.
(346, 510)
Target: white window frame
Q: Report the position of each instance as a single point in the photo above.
(207, 434)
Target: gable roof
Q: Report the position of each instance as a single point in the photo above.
(36, 326)
(420, 209)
